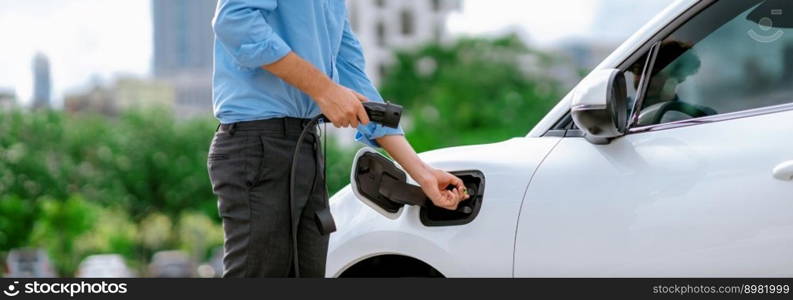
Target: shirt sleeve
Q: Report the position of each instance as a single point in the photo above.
(241, 29)
(351, 65)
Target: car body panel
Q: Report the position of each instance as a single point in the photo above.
(507, 167)
(690, 201)
(29, 263)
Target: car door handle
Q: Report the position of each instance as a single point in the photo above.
(784, 171)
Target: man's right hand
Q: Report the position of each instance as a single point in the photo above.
(342, 106)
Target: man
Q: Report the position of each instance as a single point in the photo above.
(675, 63)
(278, 63)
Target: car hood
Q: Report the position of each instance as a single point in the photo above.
(507, 167)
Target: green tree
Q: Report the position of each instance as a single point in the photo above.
(59, 226)
(18, 216)
(475, 90)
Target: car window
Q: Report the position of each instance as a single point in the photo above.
(736, 55)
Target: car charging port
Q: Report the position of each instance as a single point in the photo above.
(466, 212)
(381, 182)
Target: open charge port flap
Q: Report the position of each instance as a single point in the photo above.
(371, 169)
(385, 186)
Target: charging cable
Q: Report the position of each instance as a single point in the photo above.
(386, 114)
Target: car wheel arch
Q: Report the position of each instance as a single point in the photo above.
(389, 265)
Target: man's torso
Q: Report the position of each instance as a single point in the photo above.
(313, 29)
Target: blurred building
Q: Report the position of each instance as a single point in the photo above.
(8, 100)
(183, 45)
(135, 93)
(613, 23)
(586, 55)
(124, 94)
(386, 25)
(616, 20)
(98, 99)
(183, 39)
(42, 81)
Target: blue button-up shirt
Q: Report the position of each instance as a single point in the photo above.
(253, 33)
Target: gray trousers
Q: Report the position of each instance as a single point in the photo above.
(249, 165)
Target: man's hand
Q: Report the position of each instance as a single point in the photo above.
(433, 182)
(342, 106)
(444, 189)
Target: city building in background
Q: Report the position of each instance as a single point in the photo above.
(613, 22)
(586, 55)
(8, 99)
(135, 93)
(383, 26)
(42, 82)
(125, 93)
(98, 99)
(183, 45)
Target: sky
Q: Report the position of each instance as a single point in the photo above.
(83, 39)
(96, 40)
(544, 22)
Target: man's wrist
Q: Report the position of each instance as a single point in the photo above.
(421, 173)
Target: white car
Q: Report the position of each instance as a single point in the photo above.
(104, 266)
(674, 158)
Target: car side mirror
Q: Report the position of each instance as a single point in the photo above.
(600, 106)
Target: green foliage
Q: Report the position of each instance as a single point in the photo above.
(18, 216)
(123, 169)
(155, 232)
(112, 232)
(58, 226)
(338, 164)
(199, 235)
(472, 91)
(145, 161)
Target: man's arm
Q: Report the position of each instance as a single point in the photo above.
(339, 104)
(242, 31)
(245, 34)
(346, 105)
(433, 182)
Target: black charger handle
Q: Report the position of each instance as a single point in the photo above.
(386, 114)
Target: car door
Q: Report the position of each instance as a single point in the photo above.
(701, 184)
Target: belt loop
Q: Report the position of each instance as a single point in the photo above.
(218, 129)
(284, 126)
(233, 129)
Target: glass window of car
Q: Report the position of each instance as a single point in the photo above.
(735, 55)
